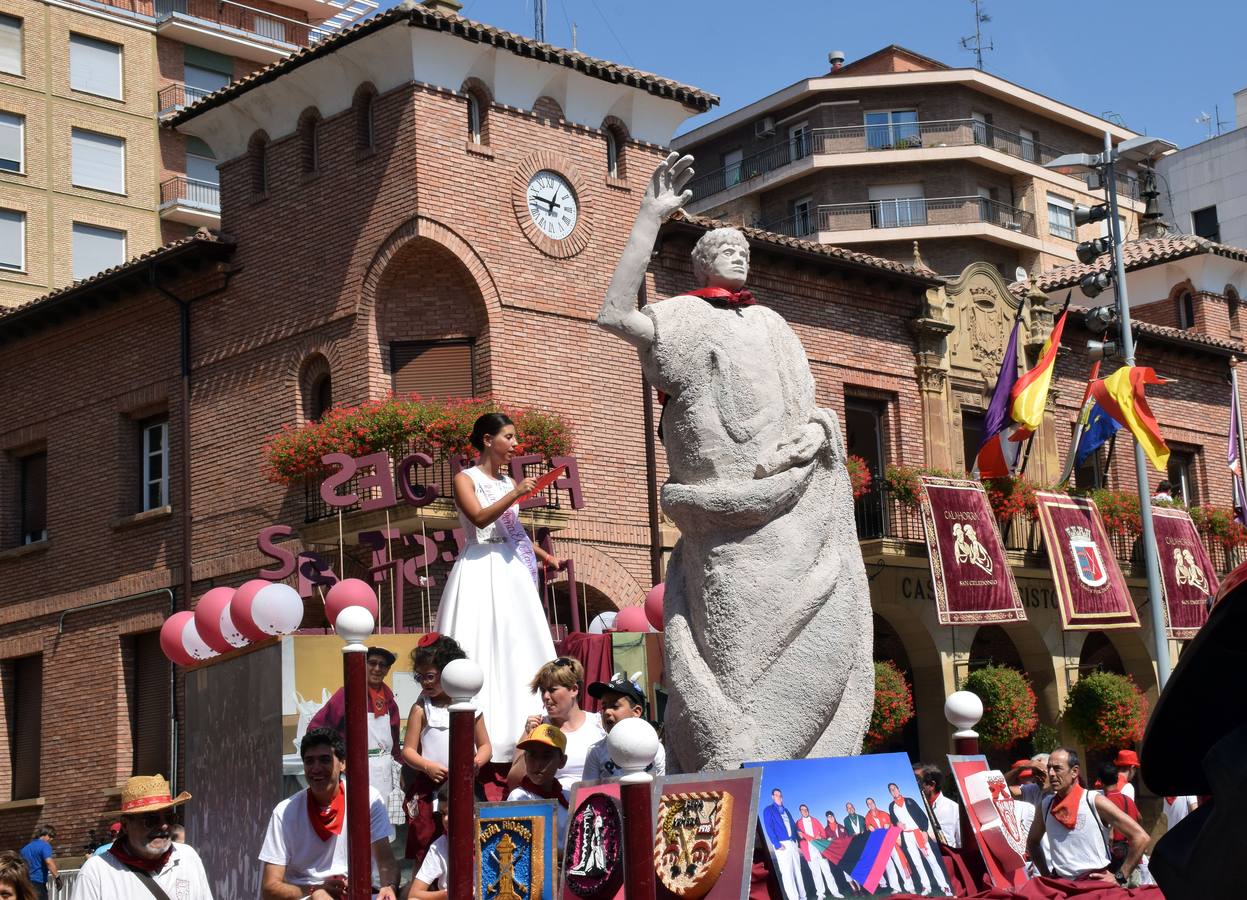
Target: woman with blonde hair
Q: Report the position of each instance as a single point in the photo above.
(14, 882)
(559, 683)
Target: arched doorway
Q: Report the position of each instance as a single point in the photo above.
(589, 603)
(889, 647)
(1099, 655)
(992, 646)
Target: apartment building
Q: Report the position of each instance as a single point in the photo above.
(88, 179)
(896, 148)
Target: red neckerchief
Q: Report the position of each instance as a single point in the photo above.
(552, 791)
(1066, 811)
(328, 821)
(720, 296)
(137, 862)
(378, 700)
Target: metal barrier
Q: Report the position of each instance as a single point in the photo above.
(202, 194)
(62, 887)
(904, 213)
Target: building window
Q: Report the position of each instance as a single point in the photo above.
(12, 142)
(23, 714)
(435, 371)
(12, 240)
(865, 437)
(1204, 223)
(971, 437)
(201, 173)
(1186, 310)
(96, 249)
(897, 205)
(33, 497)
(1090, 475)
(94, 66)
(732, 160)
(98, 161)
(309, 125)
(258, 151)
(1061, 217)
(1027, 139)
(892, 129)
(984, 134)
(803, 216)
(799, 140)
(10, 45)
(1182, 476)
(1232, 307)
(320, 399)
(365, 98)
(155, 463)
(474, 118)
(612, 153)
(147, 699)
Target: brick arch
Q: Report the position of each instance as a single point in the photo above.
(299, 362)
(598, 570)
(548, 109)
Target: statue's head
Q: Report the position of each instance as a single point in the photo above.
(721, 259)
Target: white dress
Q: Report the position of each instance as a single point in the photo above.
(491, 607)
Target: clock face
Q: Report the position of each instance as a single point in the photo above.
(552, 204)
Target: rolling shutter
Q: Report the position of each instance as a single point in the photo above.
(149, 706)
(434, 371)
(98, 161)
(25, 723)
(94, 66)
(11, 45)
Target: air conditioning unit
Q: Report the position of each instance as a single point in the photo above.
(764, 127)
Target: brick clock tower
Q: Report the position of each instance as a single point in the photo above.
(425, 203)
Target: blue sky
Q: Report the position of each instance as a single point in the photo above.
(1165, 63)
(823, 784)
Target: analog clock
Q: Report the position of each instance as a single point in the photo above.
(552, 204)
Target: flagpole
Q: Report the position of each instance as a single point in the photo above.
(1238, 417)
(1159, 638)
(1083, 411)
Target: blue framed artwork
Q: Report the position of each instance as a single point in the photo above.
(516, 850)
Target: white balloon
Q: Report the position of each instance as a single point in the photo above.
(277, 609)
(194, 644)
(603, 621)
(229, 632)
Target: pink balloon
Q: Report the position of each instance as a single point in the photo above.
(350, 592)
(632, 618)
(171, 638)
(240, 609)
(214, 623)
(653, 605)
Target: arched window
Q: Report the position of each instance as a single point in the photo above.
(616, 139)
(258, 152)
(474, 119)
(365, 117)
(321, 399)
(612, 155)
(315, 387)
(309, 153)
(1232, 304)
(477, 110)
(1186, 310)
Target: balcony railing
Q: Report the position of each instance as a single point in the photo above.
(904, 213)
(897, 136)
(201, 194)
(173, 97)
(255, 24)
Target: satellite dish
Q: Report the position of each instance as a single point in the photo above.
(602, 621)
(1019, 274)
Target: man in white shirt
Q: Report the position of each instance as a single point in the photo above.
(305, 847)
(909, 816)
(947, 812)
(621, 699)
(810, 829)
(1178, 808)
(142, 853)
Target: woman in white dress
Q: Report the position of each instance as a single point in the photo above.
(490, 604)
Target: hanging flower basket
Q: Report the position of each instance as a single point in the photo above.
(1012, 497)
(1106, 711)
(894, 704)
(1008, 705)
(1219, 526)
(1120, 512)
(859, 475)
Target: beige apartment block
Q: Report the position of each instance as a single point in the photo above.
(896, 148)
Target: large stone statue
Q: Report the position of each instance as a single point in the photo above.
(768, 624)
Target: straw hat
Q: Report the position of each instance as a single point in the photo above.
(148, 793)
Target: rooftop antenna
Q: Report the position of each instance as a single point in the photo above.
(975, 41)
(539, 19)
(1204, 119)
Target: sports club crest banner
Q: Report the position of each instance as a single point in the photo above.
(1186, 572)
(1089, 583)
(973, 582)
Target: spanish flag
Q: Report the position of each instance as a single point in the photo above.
(1120, 395)
(1030, 393)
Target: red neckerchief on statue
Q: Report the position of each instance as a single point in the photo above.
(722, 297)
(552, 791)
(328, 821)
(137, 862)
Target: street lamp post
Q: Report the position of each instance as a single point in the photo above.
(353, 625)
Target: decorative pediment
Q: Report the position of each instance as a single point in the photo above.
(982, 310)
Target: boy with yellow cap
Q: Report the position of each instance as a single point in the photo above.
(545, 752)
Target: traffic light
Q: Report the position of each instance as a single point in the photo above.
(1096, 283)
(1089, 251)
(1085, 215)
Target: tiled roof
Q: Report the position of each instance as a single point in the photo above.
(199, 242)
(1183, 336)
(1139, 255)
(852, 257)
(420, 16)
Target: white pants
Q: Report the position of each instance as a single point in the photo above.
(895, 875)
(824, 881)
(917, 856)
(789, 859)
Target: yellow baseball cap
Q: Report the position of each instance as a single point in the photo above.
(546, 735)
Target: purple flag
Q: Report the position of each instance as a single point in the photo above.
(1236, 465)
(994, 459)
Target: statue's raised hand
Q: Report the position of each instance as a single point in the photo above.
(666, 191)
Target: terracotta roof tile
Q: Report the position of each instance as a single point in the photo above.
(420, 16)
(1138, 255)
(1178, 334)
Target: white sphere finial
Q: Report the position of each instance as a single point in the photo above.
(963, 709)
(353, 625)
(462, 680)
(633, 744)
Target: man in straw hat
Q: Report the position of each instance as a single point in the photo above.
(143, 862)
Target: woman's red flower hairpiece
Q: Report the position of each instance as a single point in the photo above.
(429, 639)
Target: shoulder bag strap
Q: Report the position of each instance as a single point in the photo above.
(150, 884)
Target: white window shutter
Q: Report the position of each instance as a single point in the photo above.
(11, 127)
(11, 45)
(12, 239)
(99, 161)
(94, 66)
(96, 249)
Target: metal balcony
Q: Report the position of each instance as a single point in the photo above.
(189, 201)
(905, 213)
(234, 28)
(174, 97)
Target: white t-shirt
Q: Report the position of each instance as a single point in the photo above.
(948, 815)
(292, 842)
(903, 818)
(1179, 809)
(435, 864)
(599, 765)
(520, 793)
(1127, 790)
(104, 877)
(578, 744)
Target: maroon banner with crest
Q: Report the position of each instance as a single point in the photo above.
(1089, 584)
(973, 582)
(1186, 573)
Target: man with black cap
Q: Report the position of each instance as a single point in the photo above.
(383, 721)
(621, 698)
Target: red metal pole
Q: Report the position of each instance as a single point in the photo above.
(461, 879)
(358, 826)
(638, 812)
(966, 743)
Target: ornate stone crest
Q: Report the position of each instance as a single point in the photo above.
(594, 852)
(694, 835)
(511, 864)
